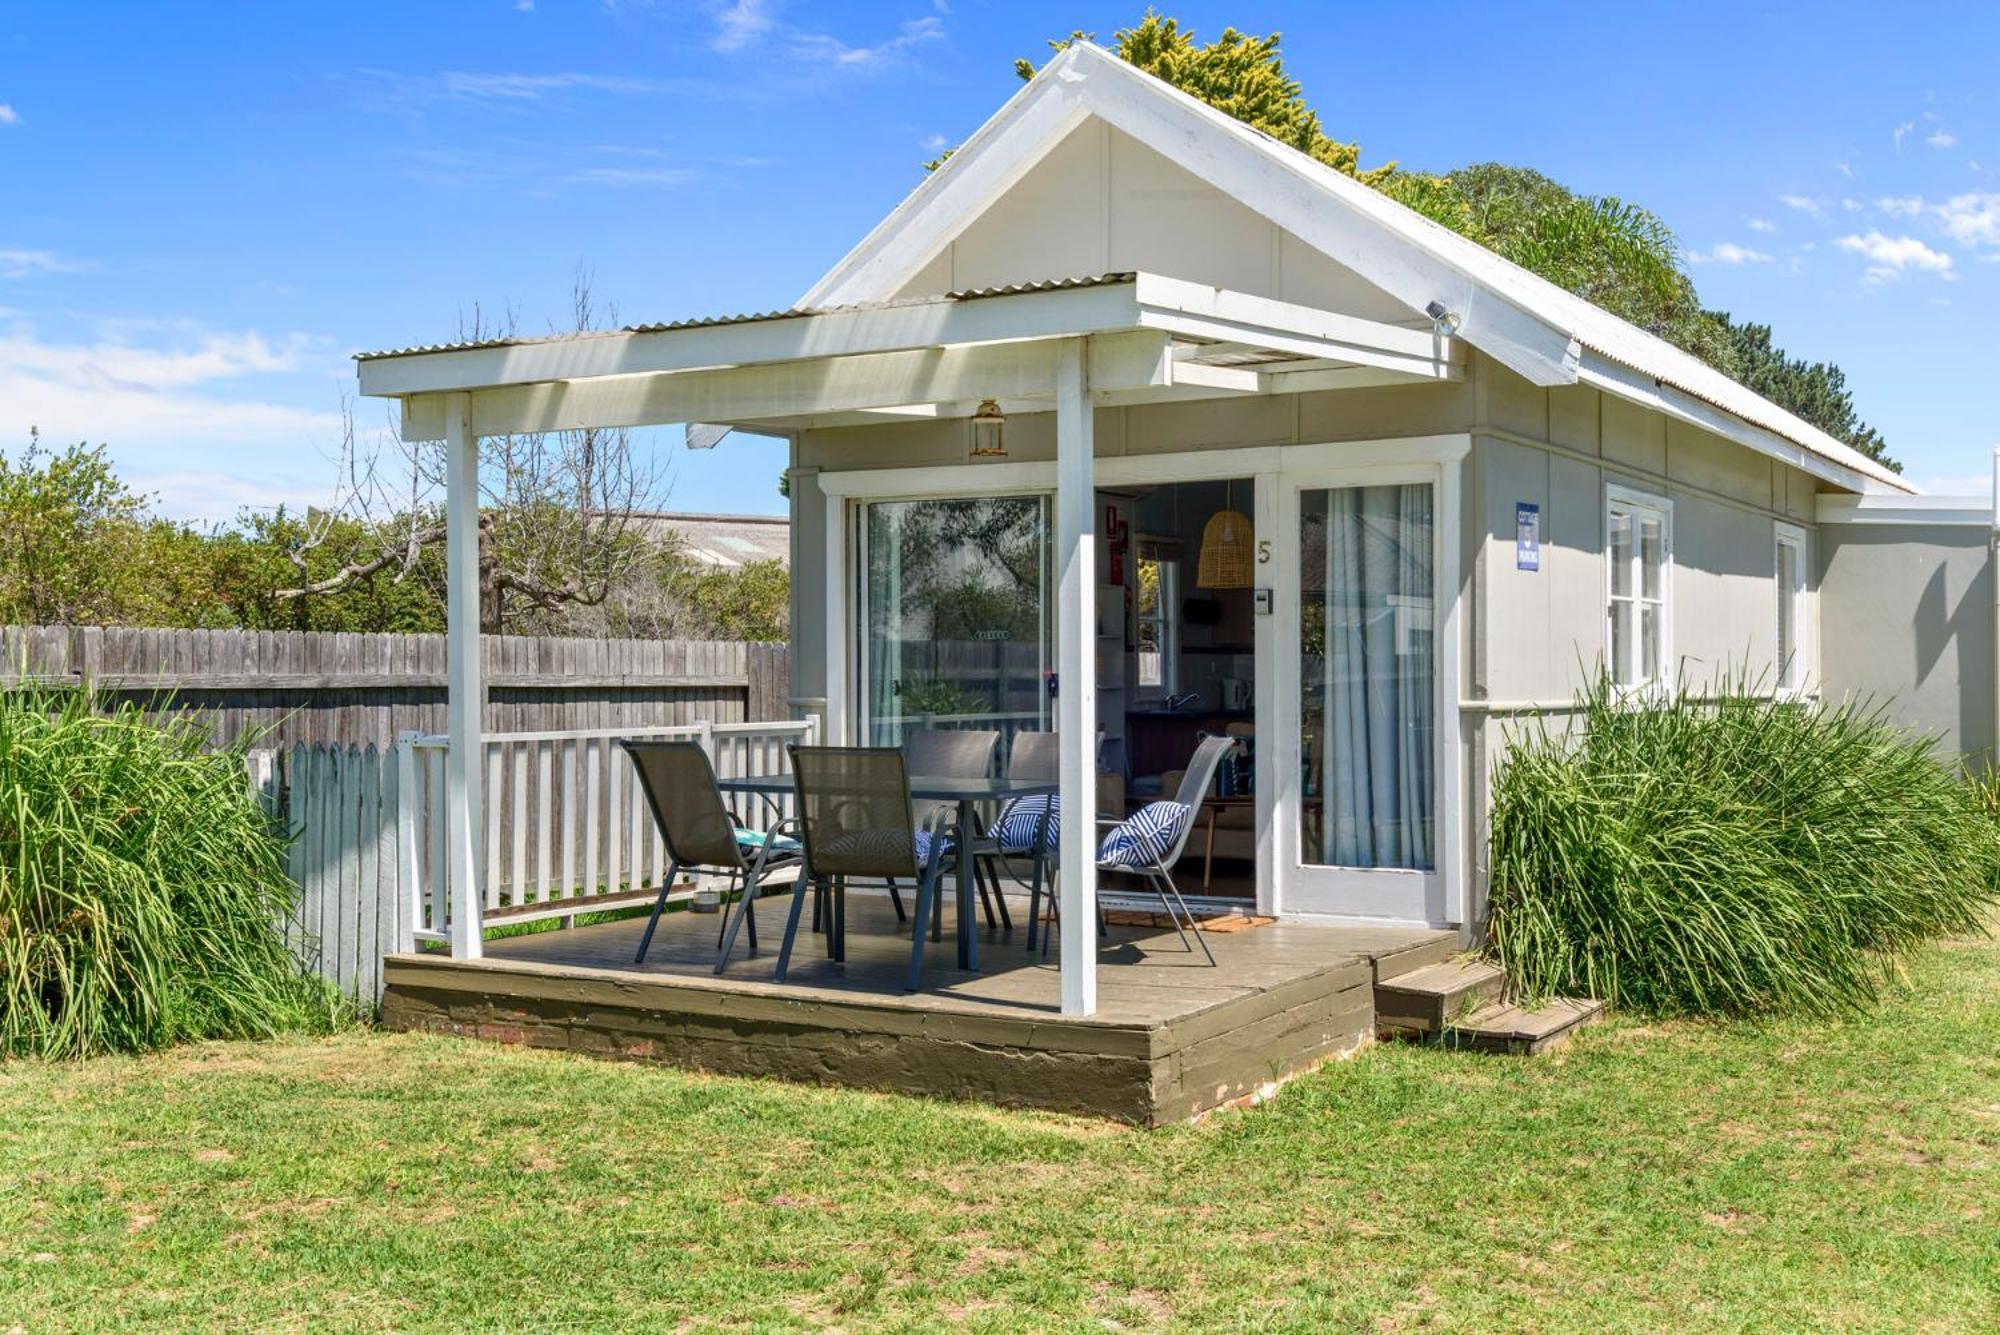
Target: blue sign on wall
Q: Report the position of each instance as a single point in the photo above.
(1527, 536)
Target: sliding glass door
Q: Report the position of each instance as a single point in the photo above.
(957, 629)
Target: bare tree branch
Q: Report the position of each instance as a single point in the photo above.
(557, 510)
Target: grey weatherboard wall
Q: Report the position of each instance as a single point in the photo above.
(1906, 618)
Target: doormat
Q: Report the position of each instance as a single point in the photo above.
(1220, 923)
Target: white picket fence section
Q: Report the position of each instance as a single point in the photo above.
(566, 830)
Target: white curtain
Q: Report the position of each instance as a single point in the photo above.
(1380, 678)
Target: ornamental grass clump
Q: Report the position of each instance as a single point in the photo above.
(142, 888)
(1724, 854)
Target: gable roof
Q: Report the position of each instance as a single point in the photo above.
(1528, 324)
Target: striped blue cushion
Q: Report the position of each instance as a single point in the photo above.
(943, 843)
(1021, 824)
(1146, 836)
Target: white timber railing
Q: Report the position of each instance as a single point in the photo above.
(565, 827)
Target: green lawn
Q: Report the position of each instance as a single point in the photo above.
(1652, 1177)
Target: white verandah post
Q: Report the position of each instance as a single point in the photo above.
(465, 693)
(1076, 675)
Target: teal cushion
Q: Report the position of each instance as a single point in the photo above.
(757, 839)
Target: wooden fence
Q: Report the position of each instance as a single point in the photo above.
(286, 687)
(340, 805)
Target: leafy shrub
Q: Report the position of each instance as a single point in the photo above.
(1729, 855)
(141, 888)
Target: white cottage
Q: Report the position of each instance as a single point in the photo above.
(1131, 423)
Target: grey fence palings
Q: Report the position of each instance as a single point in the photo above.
(284, 687)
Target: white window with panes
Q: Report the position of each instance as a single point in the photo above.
(1639, 560)
(1789, 561)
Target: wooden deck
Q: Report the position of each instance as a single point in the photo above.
(1172, 1037)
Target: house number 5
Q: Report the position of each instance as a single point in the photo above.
(1264, 552)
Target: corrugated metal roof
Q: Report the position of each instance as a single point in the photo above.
(1597, 330)
(714, 321)
(723, 541)
(1592, 326)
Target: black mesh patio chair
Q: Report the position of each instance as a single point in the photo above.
(855, 823)
(1150, 841)
(702, 834)
(955, 753)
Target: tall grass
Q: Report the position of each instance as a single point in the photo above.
(1727, 854)
(141, 888)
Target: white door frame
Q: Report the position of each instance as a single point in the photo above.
(1278, 471)
(1437, 897)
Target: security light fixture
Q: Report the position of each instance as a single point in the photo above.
(1446, 322)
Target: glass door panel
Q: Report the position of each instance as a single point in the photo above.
(957, 627)
(1367, 677)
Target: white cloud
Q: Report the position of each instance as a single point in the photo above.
(168, 395)
(9, 116)
(16, 262)
(632, 176)
(1941, 139)
(503, 87)
(742, 23)
(536, 169)
(1728, 252)
(934, 143)
(524, 6)
(1845, 169)
(389, 90)
(1969, 484)
(1901, 132)
(822, 49)
(1803, 204)
(191, 357)
(1891, 256)
(207, 497)
(1972, 219)
(1760, 224)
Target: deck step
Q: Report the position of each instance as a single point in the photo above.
(1433, 949)
(1426, 1000)
(1498, 1026)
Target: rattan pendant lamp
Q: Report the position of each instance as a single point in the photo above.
(1228, 544)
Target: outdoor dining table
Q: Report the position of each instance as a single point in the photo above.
(966, 793)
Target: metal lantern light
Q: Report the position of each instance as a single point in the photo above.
(987, 424)
(1228, 549)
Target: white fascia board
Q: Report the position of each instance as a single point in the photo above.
(1640, 388)
(836, 333)
(1085, 80)
(1889, 508)
(982, 169)
(762, 392)
(1200, 311)
(1242, 164)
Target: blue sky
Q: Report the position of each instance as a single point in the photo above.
(205, 209)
